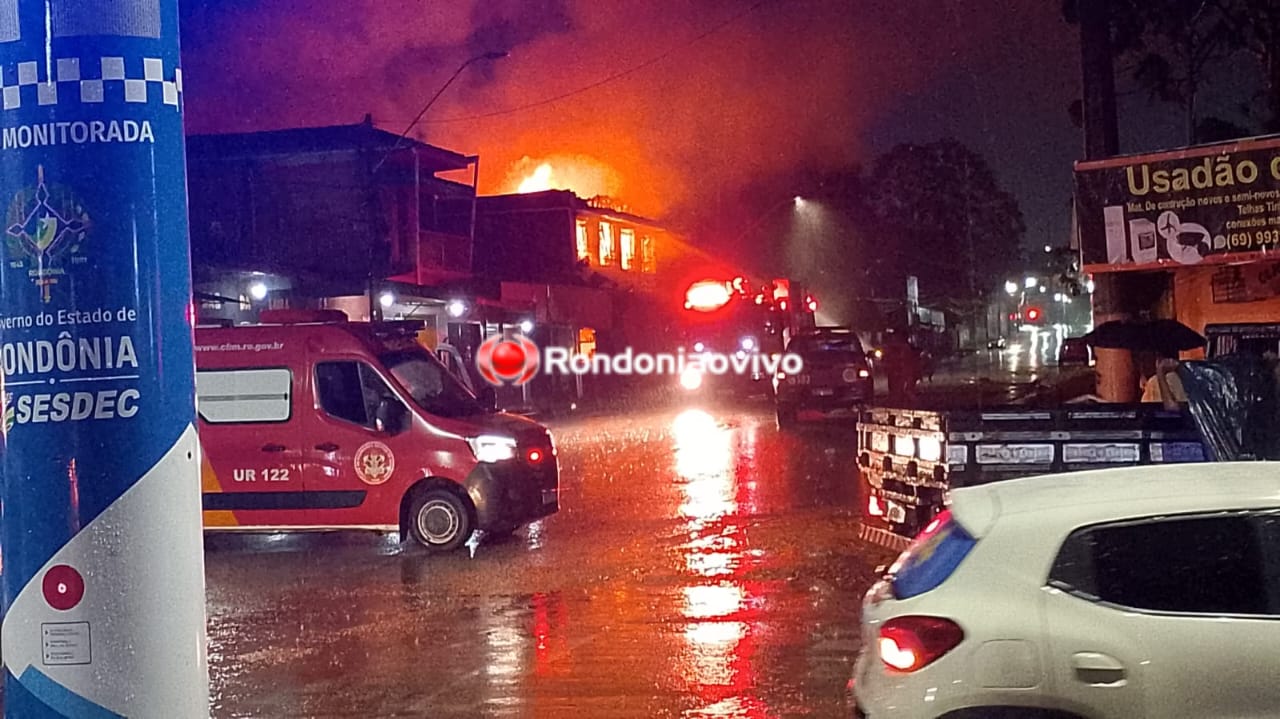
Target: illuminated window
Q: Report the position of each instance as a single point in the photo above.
(606, 243)
(584, 246)
(628, 255)
(648, 255)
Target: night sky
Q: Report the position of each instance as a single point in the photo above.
(782, 84)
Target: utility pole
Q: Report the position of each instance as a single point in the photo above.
(1101, 128)
(1117, 373)
(102, 543)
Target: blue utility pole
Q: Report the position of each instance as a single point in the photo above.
(100, 526)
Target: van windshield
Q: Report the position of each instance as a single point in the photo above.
(430, 385)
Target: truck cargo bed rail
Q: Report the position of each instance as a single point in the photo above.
(911, 459)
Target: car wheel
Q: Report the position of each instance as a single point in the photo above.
(439, 520)
(786, 417)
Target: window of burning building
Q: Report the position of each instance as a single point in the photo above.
(606, 243)
(648, 255)
(628, 255)
(584, 244)
(587, 341)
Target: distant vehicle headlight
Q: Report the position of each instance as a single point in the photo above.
(691, 378)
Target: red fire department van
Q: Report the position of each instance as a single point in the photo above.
(311, 421)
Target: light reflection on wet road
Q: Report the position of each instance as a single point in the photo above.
(702, 565)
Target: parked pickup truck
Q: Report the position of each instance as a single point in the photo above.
(909, 459)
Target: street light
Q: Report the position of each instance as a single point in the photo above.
(1011, 287)
(798, 202)
(432, 101)
(1030, 283)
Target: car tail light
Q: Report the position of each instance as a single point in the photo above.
(535, 456)
(910, 643)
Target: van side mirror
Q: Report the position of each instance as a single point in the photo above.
(392, 417)
(488, 397)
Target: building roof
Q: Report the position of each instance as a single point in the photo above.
(335, 138)
(553, 199)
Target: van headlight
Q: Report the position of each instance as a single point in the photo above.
(492, 448)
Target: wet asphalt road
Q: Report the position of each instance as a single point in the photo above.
(703, 564)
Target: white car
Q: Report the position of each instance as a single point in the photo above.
(1125, 593)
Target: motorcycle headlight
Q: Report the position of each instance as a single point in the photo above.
(492, 448)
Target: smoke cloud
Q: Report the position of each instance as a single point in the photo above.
(790, 83)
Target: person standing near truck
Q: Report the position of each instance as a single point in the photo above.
(1165, 386)
(902, 368)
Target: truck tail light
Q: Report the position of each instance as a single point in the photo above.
(910, 643)
(874, 508)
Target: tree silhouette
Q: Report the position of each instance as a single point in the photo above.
(1166, 48)
(945, 219)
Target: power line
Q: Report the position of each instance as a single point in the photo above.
(611, 78)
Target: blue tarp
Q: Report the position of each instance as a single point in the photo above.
(1233, 402)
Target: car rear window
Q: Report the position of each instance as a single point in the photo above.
(811, 346)
(932, 557)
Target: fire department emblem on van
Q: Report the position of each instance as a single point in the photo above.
(46, 226)
(375, 463)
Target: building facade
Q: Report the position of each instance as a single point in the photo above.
(1190, 234)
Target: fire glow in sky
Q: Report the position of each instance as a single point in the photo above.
(661, 103)
(746, 98)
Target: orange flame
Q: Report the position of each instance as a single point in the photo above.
(585, 176)
(543, 178)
